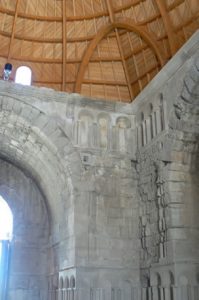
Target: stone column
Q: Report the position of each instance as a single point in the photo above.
(154, 119)
(158, 121)
(148, 130)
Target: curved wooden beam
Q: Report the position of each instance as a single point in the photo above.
(173, 39)
(122, 24)
(70, 18)
(126, 72)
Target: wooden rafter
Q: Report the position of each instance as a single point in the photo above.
(112, 19)
(64, 45)
(174, 4)
(129, 26)
(13, 28)
(173, 40)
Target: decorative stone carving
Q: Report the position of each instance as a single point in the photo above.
(160, 200)
(187, 103)
(152, 219)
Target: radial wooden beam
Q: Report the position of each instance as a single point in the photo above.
(112, 19)
(64, 45)
(13, 28)
(130, 26)
(174, 4)
(173, 39)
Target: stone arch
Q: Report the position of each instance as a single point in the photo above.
(156, 283)
(156, 279)
(146, 286)
(168, 278)
(166, 285)
(123, 122)
(22, 151)
(172, 285)
(38, 145)
(103, 115)
(85, 113)
(145, 279)
(72, 282)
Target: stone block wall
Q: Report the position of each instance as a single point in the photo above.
(120, 183)
(81, 154)
(167, 116)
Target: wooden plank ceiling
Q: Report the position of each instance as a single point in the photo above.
(108, 49)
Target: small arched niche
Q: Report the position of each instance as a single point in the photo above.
(85, 120)
(72, 282)
(23, 75)
(103, 123)
(122, 124)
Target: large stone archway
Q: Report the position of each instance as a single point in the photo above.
(39, 145)
(36, 144)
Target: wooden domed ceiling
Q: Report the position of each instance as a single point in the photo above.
(108, 49)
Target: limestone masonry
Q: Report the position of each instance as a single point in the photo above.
(105, 195)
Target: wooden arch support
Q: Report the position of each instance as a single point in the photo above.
(173, 39)
(121, 24)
